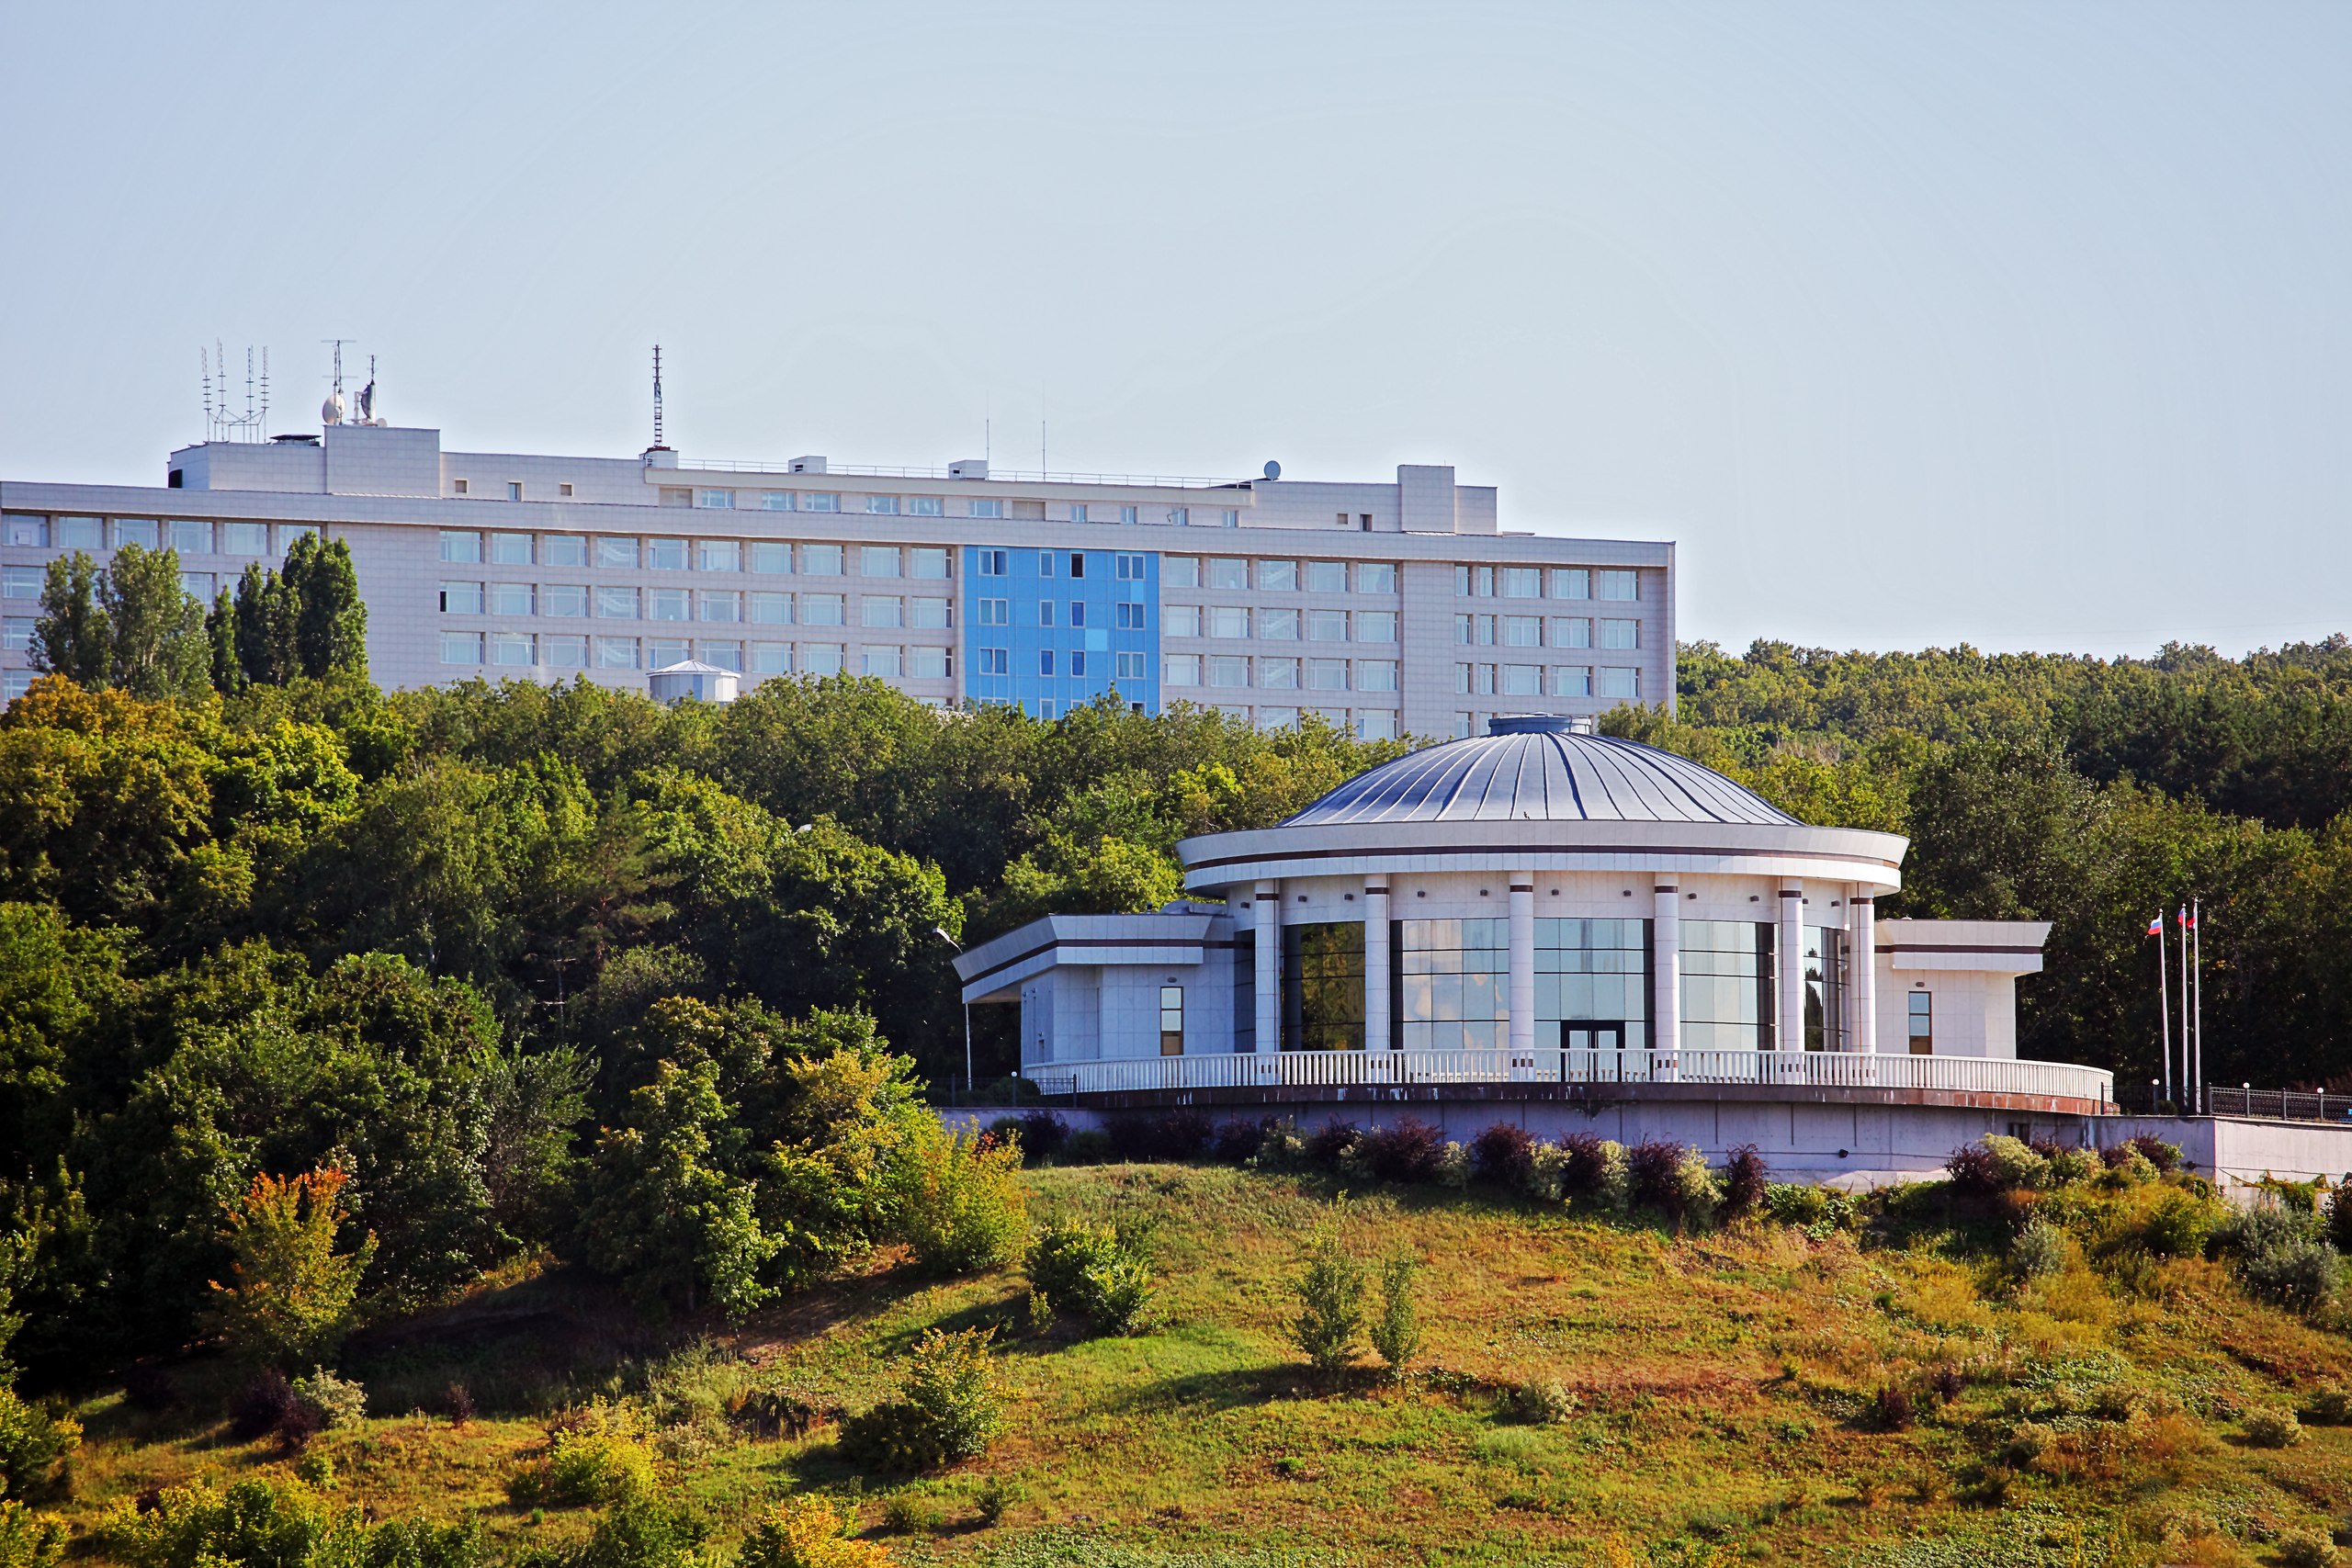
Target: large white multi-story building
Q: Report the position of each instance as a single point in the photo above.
(1397, 607)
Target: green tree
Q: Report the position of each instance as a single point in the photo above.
(330, 620)
(71, 637)
(267, 628)
(156, 627)
(221, 643)
(292, 1293)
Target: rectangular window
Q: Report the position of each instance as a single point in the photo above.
(1277, 718)
(16, 634)
(1921, 1006)
(887, 663)
(1523, 631)
(1571, 583)
(662, 652)
(996, 661)
(1182, 516)
(33, 532)
(929, 562)
(1181, 670)
(989, 508)
(509, 549)
(1180, 620)
(1077, 612)
(513, 599)
(1619, 681)
(1130, 617)
(726, 655)
(21, 582)
(1376, 675)
(616, 552)
(1482, 680)
(1045, 661)
(994, 612)
(720, 605)
(666, 555)
(1571, 681)
(1619, 585)
(455, 547)
(1230, 517)
(461, 648)
(1620, 633)
(564, 652)
(198, 585)
(822, 609)
(889, 613)
(773, 556)
(666, 604)
(1180, 571)
(776, 501)
(1127, 514)
(1227, 671)
(139, 531)
(1278, 624)
(882, 505)
(90, 534)
(772, 609)
(1326, 577)
(1227, 572)
(924, 506)
(616, 653)
(1522, 680)
(1078, 511)
(1277, 577)
(1375, 577)
(931, 663)
(820, 500)
(563, 549)
(1078, 563)
(770, 659)
(1229, 620)
(189, 538)
(1571, 631)
(1045, 563)
(1326, 674)
(1129, 667)
(245, 539)
(718, 555)
(1127, 566)
(877, 560)
(1376, 724)
(820, 659)
(289, 531)
(715, 500)
(616, 603)
(512, 648)
(1171, 1020)
(461, 598)
(991, 563)
(1522, 582)
(1078, 664)
(1327, 625)
(1278, 674)
(1046, 610)
(1454, 983)
(930, 614)
(822, 560)
(1375, 626)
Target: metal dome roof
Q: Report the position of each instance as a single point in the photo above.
(1540, 770)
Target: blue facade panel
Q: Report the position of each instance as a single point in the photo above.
(1054, 629)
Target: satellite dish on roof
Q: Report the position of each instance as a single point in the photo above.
(1273, 470)
(331, 411)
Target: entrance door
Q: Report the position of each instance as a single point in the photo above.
(1584, 1034)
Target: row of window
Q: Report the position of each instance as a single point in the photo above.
(550, 651)
(1365, 724)
(938, 507)
(1127, 615)
(1547, 680)
(1279, 576)
(1076, 664)
(1278, 624)
(1527, 582)
(1127, 566)
(189, 536)
(759, 607)
(1280, 674)
(778, 557)
(1537, 631)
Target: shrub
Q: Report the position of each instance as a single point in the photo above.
(1087, 1145)
(1745, 1176)
(2304, 1276)
(1891, 1409)
(1330, 1295)
(992, 1499)
(1237, 1139)
(457, 1404)
(1330, 1143)
(293, 1294)
(1974, 1170)
(420, 1543)
(1597, 1168)
(1539, 1403)
(949, 1406)
(596, 1457)
(28, 1540)
(903, 1513)
(1090, 1272)
(961, 1205)
(260, 1405)
(316, 1470)
(1796, 1204)
(2129, 1168)
(254, 1524)
(2272, 1427)
(2259, 1228)
(2304, 1548)
(2028, 1441)
(2016, 1164)
(1408, 1149)
(809, 1533)
(1453, 1167)
(1181, 1134)
(2331, 1405)
(2037, 1250)
(2164, 1156)
(2339, 1218)
(2175, 1225)
(2068, 1166)
(1503, 1154)
(339, 1402)
(640, 1533)
(1396, 1332)
(1043, 1134)
(34, 1449)
(1547, 1174)
(1673, 1179)
(1281, 1146)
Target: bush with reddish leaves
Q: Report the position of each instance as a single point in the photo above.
(1585, 1164)
(1238, 1138)
(1974, 1170)
(261, 1406)
(1043, 1134)
(1744, 1177)
(1504, 1154)
(1328, 1142)
(1652, 1165)
(1181, 1134)
(1408, 1149)
(2164, 1156)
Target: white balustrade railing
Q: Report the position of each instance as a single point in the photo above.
(1394, 1070)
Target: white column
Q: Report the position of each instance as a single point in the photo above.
(1861, 977)
(1790, 945)
(1376, 1001)
(1266, 905)
(1522, 963)
(1666, 958)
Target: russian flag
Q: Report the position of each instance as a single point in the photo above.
(2187, 921)
(2156, 926)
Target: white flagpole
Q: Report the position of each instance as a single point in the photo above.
(2187, 1089)
(2197, 932)
(2163, 1004)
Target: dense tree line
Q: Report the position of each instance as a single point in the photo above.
(514, 968)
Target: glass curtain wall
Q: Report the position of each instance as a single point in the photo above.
(1825, 988)
(1245, 993)
(1452, 985)
(1323, 986)
(1592, 973)
(1727, 986)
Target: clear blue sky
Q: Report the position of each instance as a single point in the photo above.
(2028, 326)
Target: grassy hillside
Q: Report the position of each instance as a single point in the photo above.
(1722, 1398)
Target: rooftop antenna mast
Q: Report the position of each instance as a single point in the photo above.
(368, 395)
(221, 422)
(656, 446)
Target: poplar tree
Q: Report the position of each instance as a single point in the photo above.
(156, 647)
(72, 638)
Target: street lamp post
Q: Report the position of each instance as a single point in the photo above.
(940, 932)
